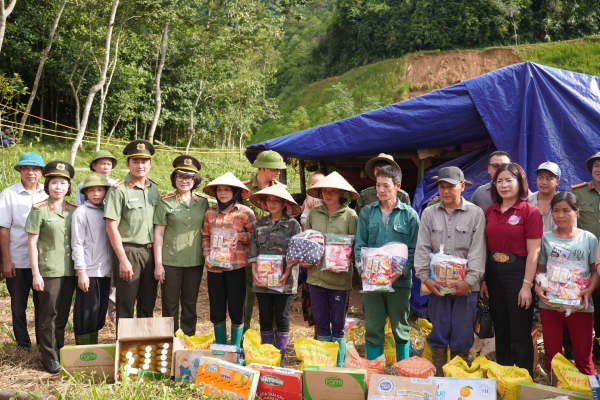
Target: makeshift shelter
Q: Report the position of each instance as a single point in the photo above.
(534, 112)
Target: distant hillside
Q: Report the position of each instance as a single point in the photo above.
(387, 82)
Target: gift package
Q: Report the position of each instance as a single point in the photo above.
(566, 279)
(338, 252)
(222, 247)
(306, 247)
(379, 263)
(270, 271)
(446, 269)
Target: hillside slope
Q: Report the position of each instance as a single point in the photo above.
(390, 81)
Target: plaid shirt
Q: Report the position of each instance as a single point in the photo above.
(240, 218)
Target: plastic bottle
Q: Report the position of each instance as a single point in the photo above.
(166, 357)
(163, 345)
(133, 347)
(148, 348)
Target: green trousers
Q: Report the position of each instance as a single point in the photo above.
(377, 306)
(54, 309)
(142, 287)
(250, 296)
(182, 285)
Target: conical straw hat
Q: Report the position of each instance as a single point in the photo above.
(227, 180)
(279, 190)
(334, 181)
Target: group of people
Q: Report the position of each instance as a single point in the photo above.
(123, 237)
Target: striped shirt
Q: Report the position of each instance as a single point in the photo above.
(241, 218)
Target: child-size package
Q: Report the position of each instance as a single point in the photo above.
(278, 383)
(379, 263)
(445, 269)
(223, 242)
(221, 378)
(338, 252)
(306, 247)
(270, 271)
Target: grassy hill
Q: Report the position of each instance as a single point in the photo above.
(394, 80)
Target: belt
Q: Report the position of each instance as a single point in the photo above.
(145, 246)
(503, 257)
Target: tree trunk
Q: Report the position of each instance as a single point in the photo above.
(112, 130)
(104, 92)
(42, 111)
(75, 91)
(38, 75)
(4, 13)
(192, 130)
(97, 86)
(100, 115)
(56, 115)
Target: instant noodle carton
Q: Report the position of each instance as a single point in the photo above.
(534, 391)
(330, 383)
(278, 383)
(96, 359)
(386, 387)
(187, 361)
(220, 377)
(464, 388)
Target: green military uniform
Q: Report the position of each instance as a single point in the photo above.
(133, 207)
(369, 195)
(182, 256)
(53, 226)
(271, 160)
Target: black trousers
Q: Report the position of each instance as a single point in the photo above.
(89, 313)
(19, 288)
(512, 324)
(141, 288)
(227, 292)
(280, 304)
(182, 284)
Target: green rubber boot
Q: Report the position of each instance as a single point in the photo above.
(402, 351)
(83, 339)
(94, 338)
(341, 351)
(440, 358)
(236, 334)
(220, 333)
(324, 338)
(373, 351)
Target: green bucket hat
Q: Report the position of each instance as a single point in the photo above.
(590, 161)
(94, 180)
(269, 159)
(102, 154)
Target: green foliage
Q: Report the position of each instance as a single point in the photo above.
(575, 55)
(342, 105)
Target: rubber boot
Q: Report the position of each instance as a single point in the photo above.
(341, 351)
(402, 351)
(440, 358)
(373, 351)
(220, 333)
(267, 337)
(83, 339)
(281, 344)
(236, 334)
(462, 354)
(324, 338)
(94, 338)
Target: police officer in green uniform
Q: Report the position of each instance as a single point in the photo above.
(49, 233)
(588, 194)
(369, 195)
(269, 164)
(129, 213)
(178, 258)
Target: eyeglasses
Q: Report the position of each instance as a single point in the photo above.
(180, 178)
(495, 166)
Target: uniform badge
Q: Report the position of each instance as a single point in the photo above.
(52, 219)
(514, 219)
(585, 203)
(134, 199)
(187, 161)
(141, 146)
(60, 167)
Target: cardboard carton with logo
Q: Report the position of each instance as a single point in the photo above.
(145, 330)
(98, 359)
(534, 391)
(187, 361)
(278, 383)
(458, 388)
(220, 377)
(386, 387)
(330, 383)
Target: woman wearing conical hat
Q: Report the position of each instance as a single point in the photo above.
(270, 237)
(226, 235)
(330, 291)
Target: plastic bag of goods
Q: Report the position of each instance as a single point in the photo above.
(270, 271)
(353, 360)
(223, 242)
(459, 368)
(445, 269)
(195, 342)
(379, 263)
(568, 375)
(389, 344)
(415, 367)
(565, 280)
(316, 353)
(256, 352)
(507, 378)
(338, 252)
(306, 247)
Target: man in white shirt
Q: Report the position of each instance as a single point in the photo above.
(15, 203)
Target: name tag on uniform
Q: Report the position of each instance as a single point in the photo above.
(176, 210)
(584, 203)
(134, 199)
(52, 219)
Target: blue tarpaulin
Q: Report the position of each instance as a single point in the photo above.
(534, 112)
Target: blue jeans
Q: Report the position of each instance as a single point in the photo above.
(452, 318)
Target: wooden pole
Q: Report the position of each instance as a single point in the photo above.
(302, 177)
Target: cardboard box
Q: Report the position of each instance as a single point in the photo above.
(220, 377)
(278, 383)
(457, 388)
(144, 330)
(595, 385)
(90, 359)
(187, 361)
(330, 383)
(533, 391)
(384, 387)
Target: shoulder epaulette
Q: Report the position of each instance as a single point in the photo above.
(40, 204)
(165, 196)
(152, 181)
(73, 204)
(578, 185)
(246, 181)
(200, 194)
(118, 183)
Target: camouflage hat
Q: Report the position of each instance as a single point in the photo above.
(103, 154)
(269, 159)
(93, 180)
